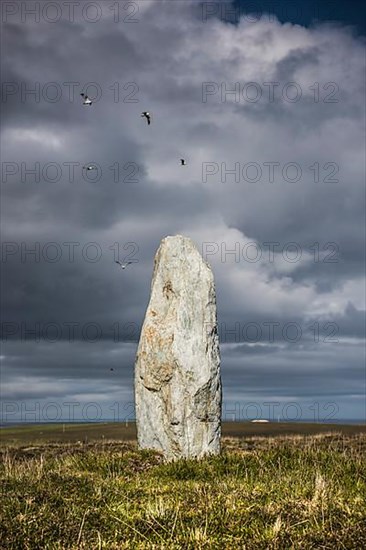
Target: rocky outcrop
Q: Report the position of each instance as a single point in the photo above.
(177, 369)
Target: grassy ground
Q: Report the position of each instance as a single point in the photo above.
(283, 492)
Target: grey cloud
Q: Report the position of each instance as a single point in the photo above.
(169, 53)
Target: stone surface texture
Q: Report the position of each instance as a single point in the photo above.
(177, 369)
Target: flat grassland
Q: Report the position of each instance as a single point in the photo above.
(117, 431)
(274, 486)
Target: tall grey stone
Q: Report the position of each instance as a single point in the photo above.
(177, 368)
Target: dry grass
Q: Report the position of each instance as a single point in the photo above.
(284, 492)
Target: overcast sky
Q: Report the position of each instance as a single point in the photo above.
(268, 113)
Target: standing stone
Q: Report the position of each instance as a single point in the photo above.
(177, 369)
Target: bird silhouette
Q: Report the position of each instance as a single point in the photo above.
(87, 100)
(123, 265)
(147, 115)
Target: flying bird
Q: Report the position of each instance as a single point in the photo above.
(183, 162)
(87, 100)
(123, 265)
(147, 115)
(90, 167)
(111, 369)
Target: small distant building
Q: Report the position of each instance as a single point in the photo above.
(260, 420)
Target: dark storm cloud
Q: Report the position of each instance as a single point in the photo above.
(313, 372)
(168, 54)
(69, 68)
(75, 361)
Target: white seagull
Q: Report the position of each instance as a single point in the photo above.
(123, 265)
(147, 115)
(87, 100)
(183, 162)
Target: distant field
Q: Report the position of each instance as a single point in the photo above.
(72, 433)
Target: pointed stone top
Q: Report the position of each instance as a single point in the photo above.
(169, 239)
(182, 246)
